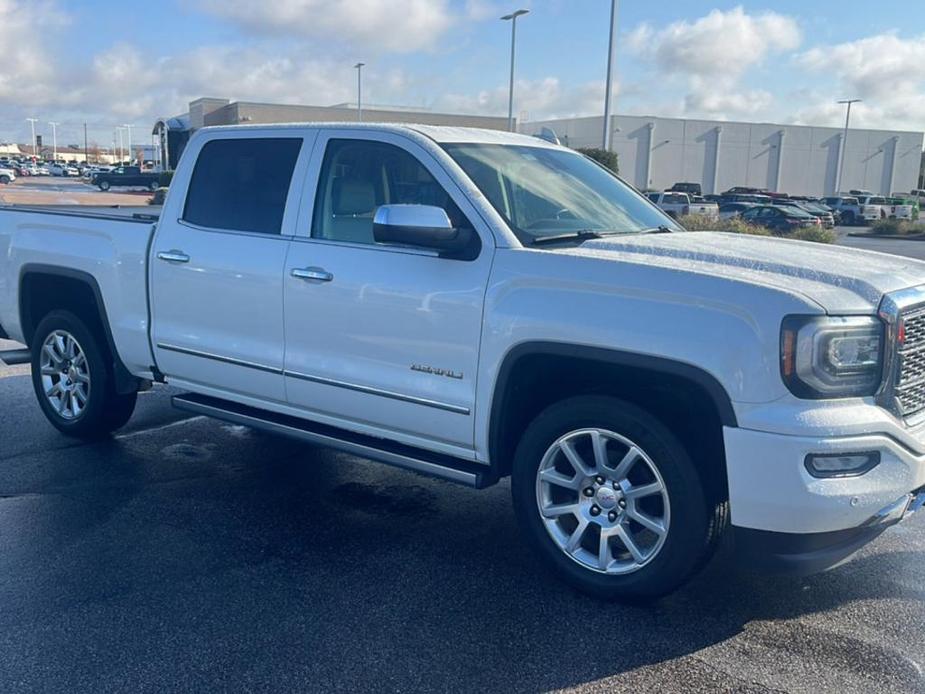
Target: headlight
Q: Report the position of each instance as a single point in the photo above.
(831, 357)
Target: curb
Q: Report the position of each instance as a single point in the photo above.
(897, 237)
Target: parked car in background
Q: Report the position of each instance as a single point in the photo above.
(689, 188)
(850, 210)
(7, 175)
(824, 215)
(754, 198)
(901, 208)
(59, 169)
(680, 204)
(728, 210)
(780, 219)
(126, 177)
(745, 190)
(873, 207)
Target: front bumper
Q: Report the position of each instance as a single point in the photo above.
(802, 554)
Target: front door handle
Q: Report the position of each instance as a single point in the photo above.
(312, 273)
(173, 256)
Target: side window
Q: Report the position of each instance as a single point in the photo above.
(242, 184)
(357, 176)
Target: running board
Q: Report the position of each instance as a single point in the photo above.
(12, 357)
(382, 450)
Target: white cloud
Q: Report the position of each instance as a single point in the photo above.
(712, 55)
(884, 70)
(721, 43)
(26, 67)
(401, 26)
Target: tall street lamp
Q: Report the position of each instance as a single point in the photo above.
(608, 89)
(54, 138)
(32, 122)
(510, 99)
(844, 144)
(359, 69)
(128, 128)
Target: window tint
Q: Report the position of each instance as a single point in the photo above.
(358, 176)
(242, 184)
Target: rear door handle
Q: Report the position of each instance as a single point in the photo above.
(312, 273)
(173, 256)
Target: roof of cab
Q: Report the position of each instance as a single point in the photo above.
(437, 133)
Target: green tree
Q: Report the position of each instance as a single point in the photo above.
(602, 156)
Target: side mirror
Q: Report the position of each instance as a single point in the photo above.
(423, 226)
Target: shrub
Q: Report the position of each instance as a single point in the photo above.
(734, 225)
(897, 226)
(817, 234)
(165, 178)
(602, 156)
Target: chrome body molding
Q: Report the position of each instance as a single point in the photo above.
(449, 407)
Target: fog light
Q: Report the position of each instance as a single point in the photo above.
(841, 464)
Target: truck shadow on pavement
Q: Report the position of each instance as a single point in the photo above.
(247, 559)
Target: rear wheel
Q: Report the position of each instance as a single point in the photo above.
(104, 185)
(4, 179)
(152, 186)
(611, 500)
(72, 379)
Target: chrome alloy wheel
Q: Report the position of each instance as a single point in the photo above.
(603, 501)
(65, 374)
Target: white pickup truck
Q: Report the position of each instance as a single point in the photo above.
(478, 305)
(680, 204)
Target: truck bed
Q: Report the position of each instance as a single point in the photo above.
(106, 247)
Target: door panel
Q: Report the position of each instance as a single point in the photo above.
(391, 338)
(217, 267)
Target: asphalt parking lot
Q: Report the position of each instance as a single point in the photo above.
(185, 554)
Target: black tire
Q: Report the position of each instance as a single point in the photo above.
(5, 180)
(847, 219)
(105, 410)
(104, 185)
(152, 186)
(694, 526)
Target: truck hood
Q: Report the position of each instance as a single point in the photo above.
(839, 279)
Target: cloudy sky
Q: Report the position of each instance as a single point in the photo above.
(130, 61)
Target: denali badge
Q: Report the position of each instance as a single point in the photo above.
(436, 372)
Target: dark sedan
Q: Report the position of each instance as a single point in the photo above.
(780, 219)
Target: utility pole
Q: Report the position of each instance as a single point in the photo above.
(510, 98)
(129, 129)
(54, 138)
(121, 157)
(86, 148)
(359, 69)
(844, 144)
(608, 89)
(32, 122)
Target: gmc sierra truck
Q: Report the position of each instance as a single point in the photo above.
(478, 305)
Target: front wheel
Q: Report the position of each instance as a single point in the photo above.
(153, 186)
(72, 379)
(611, 500)
(104, 185)
(4, 179)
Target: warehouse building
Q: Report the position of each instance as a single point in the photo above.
(172, 134)
(656, 152)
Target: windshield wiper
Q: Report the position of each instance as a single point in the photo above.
(583, 235)
(655, 230)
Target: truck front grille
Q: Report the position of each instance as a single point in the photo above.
(910, 380)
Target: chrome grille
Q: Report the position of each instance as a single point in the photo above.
(910, 380)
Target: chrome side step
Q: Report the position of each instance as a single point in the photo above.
(434, 464)
(12, 357)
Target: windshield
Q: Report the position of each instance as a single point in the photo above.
(542, 191)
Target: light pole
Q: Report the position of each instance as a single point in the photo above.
(54, 138)
(129, 129)
(359, 69)
(119, 132)
(32, 122)
(844, 144)
(608, 89)
(510, 99)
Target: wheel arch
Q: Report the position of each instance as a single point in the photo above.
(37, 280)
(568, 369)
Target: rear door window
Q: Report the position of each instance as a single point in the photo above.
(242, 184)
